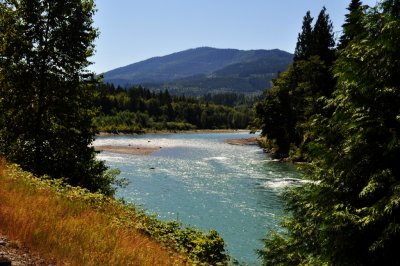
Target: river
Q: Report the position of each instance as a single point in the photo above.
(202, 181)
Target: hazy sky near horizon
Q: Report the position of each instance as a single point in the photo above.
(135, 30)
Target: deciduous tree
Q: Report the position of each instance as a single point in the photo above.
(46, 92)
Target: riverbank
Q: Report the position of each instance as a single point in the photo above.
(71, 226)
(150, 131)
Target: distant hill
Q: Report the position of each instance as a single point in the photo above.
(205, 70)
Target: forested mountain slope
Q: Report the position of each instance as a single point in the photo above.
(202, 70)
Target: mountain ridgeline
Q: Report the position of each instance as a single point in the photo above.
(205, 70)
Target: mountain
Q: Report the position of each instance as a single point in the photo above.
(202, 70)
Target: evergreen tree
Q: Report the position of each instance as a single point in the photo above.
(349, 213)
(392, 7)
(305, 39)
(294, 98)
(352, 26)
(323, 41)
(46, 93)
(276, 116)
(323, 47)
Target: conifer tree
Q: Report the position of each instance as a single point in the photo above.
(392, 7)
(352, 26)
(294, 98)
(323, 41)
(304, 44)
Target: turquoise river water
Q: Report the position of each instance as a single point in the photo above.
(202, 181)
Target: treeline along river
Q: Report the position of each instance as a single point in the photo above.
(202, 181)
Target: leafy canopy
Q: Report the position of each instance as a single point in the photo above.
(46, 92)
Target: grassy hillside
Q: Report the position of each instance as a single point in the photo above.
(75, 227)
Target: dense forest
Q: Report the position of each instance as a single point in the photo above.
(338, 108)
(136, 109)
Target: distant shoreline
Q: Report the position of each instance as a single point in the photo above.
(174, 132)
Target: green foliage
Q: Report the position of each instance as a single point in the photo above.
(305, 39)
(353, 23)
(135, 110)
(323, 42)
(297, 94)
(45, 92)
(124, 121)
(203, 248)
(349, 213)
(229, 99)
(276, 116)
(295, 97)
(317, 40)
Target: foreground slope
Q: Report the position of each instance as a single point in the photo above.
(74, 227)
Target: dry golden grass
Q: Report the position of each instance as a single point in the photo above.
(69, 230)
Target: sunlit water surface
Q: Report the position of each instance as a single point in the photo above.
(202, 181)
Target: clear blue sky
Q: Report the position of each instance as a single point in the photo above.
(135, 30)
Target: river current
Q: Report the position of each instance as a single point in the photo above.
(200, 180)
